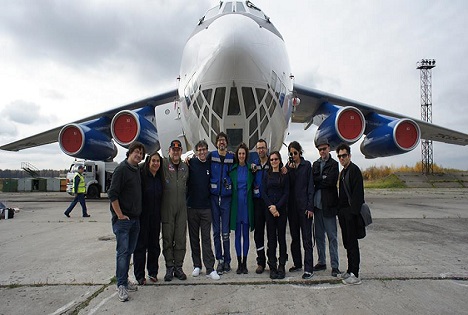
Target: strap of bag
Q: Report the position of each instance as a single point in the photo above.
(345, 184)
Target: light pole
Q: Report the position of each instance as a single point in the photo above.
(425, 66)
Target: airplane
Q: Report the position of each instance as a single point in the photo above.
(235, 77)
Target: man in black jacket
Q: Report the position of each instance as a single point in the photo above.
(126, 205)
(351, 198)
(325, 173)
(300, 209)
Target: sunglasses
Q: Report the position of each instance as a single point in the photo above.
(293, 153)
(274, 159)
(342, 156)
(322, 149)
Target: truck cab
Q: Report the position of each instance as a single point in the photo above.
(97, 175)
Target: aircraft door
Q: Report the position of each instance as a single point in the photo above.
(234, 123)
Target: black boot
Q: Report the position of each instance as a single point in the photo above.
(244, 264)
(240, 267)
(179, 273)
(169, 274)
(281, 272)
(273, 272)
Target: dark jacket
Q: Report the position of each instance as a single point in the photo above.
(301, 187)
(260, 170)
(151, 187)
(326, 183)
(275, 191)
(126, 187)
(199, 184)
(352, 175)
(350, 208)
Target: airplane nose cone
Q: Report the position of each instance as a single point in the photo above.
(234, 46)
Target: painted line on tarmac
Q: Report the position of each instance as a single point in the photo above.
(94, 310)
(64, 308)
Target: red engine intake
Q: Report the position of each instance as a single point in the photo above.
(129, 126)
(87, 141)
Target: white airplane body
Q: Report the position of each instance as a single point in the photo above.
(233, 61)
(235, 77)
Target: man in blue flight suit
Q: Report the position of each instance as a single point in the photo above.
(221, 191)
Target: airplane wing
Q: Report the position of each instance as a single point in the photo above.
(312, 99)
(51, 135)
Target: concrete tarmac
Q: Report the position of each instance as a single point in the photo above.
(414, 260)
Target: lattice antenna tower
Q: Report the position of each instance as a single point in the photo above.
(425, 66)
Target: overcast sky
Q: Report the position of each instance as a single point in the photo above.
(65, 60)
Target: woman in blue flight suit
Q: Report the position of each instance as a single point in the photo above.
(242, 209)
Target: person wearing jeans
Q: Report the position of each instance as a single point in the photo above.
(126, 206)
(325, 172)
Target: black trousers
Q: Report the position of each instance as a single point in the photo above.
(276, 232)
(349, 228)
(259, 232)
(199, 222)
(148, 242)
(301, 226)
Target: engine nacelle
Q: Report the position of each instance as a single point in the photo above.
(88, 140)
(129, 126)
(343, 124)
(391, 136)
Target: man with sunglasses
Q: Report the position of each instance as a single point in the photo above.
(351, 198)
(325, 172)
(300, 209)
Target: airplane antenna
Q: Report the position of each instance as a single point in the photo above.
(425, 66)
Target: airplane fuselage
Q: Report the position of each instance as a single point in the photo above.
(235, 77)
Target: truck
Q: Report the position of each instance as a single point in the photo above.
(97, 175)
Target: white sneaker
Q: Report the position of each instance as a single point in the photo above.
(196, 272)
(352, 279)
(131, 286)
(123, 293)
(214, 275)
(343, 275)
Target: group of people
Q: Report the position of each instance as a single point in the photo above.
(220, 191)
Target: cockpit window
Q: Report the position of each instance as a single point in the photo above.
(254, 10)
(211, 13)
(240, 7)
(246, 8)
(228, 7)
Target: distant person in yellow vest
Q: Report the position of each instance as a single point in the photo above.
(79, 190)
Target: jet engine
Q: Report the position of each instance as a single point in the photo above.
(389, 136)
(139, 125)
(90, 140)
(342, 124)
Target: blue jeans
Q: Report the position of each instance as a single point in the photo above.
(78, 198)
(126, 233)
(326, 225)
(221, 213)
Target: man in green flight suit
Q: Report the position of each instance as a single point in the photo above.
(174, 212)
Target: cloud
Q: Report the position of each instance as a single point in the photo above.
(83, 57)
(88, 35)
(8, 129)
(26, 113)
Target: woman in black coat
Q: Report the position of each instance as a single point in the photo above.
(150, 221)
(275, 193)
